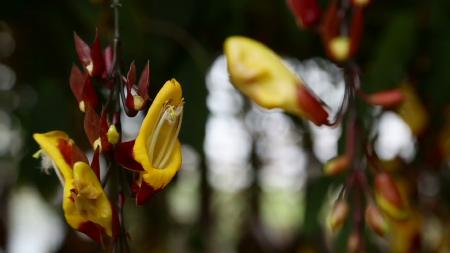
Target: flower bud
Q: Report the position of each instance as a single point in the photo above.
(338, 215)
(339, 48)
(307, 12)
(388, 196)
(262, 76)
(388, 98)
(375, 220)
(354, 243)
(336, 165)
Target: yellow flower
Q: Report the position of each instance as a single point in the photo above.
(85, 204)
(157, 148)
(261, 75)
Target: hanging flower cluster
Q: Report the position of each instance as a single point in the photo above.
(154, 157)
(262, 76)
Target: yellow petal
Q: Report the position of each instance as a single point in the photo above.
(49, 144)
(412, 110)
(261, 75)
(157, 148)
(89, 203)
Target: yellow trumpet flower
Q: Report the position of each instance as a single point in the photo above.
(260, 74)
(157, 148)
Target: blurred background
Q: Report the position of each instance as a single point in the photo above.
(251, 178)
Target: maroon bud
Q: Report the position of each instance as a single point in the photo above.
(77, 81)
(306, 12)
(92, 126)
(144, 82)
(95, 164)
(388, 98)
(98, 62)
(356, 30)
(131, 76)
(83, 50)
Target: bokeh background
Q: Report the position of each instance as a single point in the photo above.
(251, 179)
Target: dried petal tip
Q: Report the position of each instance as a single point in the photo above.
(339, 48)
(338, 215)
(375, 220)
(336, 165)
(113, 135)
(388, 197)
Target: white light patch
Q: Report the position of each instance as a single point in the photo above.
(325, 141)
(394, 138)
(130, 126)
(227, 142)
(38, 231)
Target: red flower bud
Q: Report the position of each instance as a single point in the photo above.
(356, 30)
(336, 165)
(306, 12)
(338, 215)
(388, 196)
(388, 98)
(375, 220)
(354, 243)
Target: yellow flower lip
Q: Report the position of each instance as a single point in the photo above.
(157, 147)
(84, 199)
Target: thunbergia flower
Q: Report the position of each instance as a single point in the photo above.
(85, 204)
(156, 152)
(261, 75)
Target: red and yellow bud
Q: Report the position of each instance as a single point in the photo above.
(85, 204)
(375, 220)
(354, 242)
(82, 89)
(338, 215)
(388, 98)
(388, 196)
(341, 46)
(261, 75)
(336, 165)
(91, 57)
(137, 93)
(306, 12)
